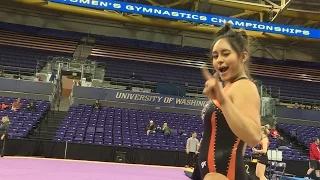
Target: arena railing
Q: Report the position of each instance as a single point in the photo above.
(146, 84)
(11, 71)
(268, 103)
(276, 94)
(263, 90)
(304, 101)
(40, 65)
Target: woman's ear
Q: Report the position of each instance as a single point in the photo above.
(245, 56)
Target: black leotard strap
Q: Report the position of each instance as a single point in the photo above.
(240, 78)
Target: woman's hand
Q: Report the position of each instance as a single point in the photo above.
(254, 150)
(213, 89)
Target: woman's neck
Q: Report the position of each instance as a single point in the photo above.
(241, 75)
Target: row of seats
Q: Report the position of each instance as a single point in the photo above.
(127, 127)
(303, 133)
(291, 88)
(40, 31)
(115, 126)
(36, 44)
(32, 59)
(23, 121)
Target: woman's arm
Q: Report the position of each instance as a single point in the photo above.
(242, 111)
(264, 147)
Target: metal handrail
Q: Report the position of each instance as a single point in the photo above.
(152, 83)
(293, 100)
(17, 70)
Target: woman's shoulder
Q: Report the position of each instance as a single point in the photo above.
(244, 87)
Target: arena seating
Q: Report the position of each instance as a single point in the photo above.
(11, 59)
(41, 31)
(37, 42)
(149, 45)
(127, 127)
(303, 133)
(291, 88)
(152, 72)
(22, 121)
(106, 50)
(290, 153)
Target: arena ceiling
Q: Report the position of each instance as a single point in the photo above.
(302, 13)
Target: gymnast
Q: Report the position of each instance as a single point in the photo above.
(232, 116)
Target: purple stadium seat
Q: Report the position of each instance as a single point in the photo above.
(23, 121)
(126, 127)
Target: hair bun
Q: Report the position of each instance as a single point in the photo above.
(243, 34)
(226, 28)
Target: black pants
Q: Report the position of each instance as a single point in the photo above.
(314, 164)
(196, 172)
(191, 159)
(2, 146)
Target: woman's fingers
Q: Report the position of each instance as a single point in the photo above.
(216, 76)
(205, 73)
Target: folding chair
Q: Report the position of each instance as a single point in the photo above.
(271, 169)
(280, 170)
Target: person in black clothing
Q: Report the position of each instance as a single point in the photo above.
(52, 77)
(96, 105)
(4, 127)
(31, 107)
(166, 130)
(151, 127)
(263, 160)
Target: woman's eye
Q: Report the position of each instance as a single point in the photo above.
(226, 54)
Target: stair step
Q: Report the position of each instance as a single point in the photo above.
(43, 136)
(48, 127)
(43, 133)
(51, 123)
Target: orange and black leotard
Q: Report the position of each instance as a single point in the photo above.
(221, 150)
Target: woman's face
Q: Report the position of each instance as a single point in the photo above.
(227, 62)
(4, 119)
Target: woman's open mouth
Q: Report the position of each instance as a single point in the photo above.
(223, 70)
